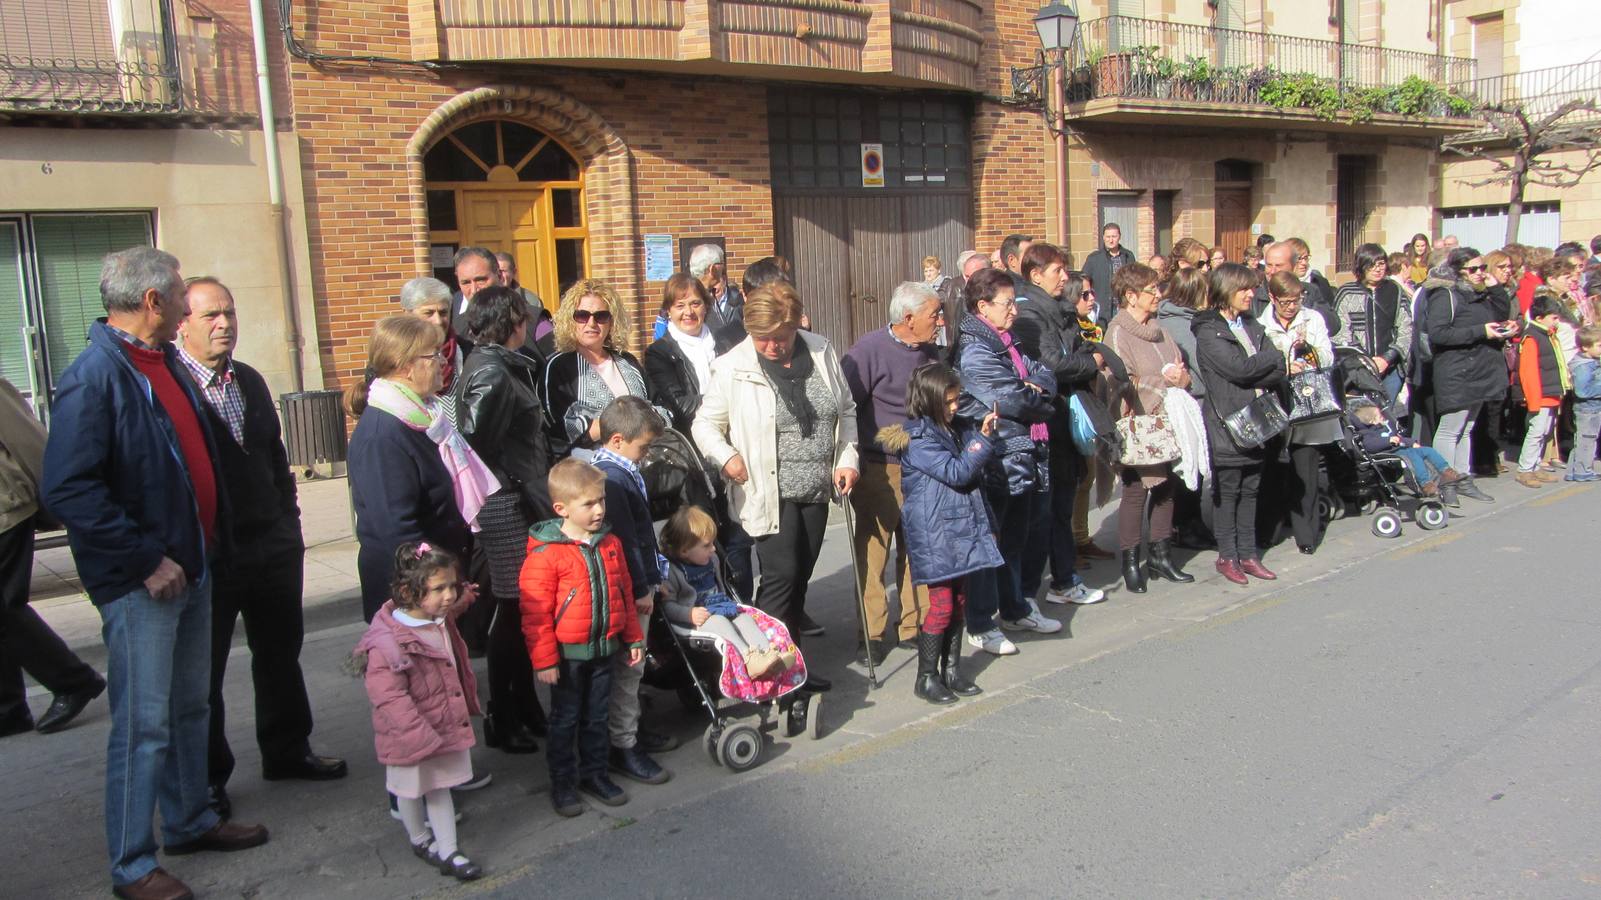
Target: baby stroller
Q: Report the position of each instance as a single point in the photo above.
(700, 667)
(1381, 484)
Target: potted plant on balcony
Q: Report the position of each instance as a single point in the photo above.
(1195, 78)
(1113, 73)
(1154, 72)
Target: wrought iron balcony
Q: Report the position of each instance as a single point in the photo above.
(89, 56)
(1139, 60)
(1539, 92)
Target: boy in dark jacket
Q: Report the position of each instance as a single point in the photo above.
(1586, 375)
(578, 612)
(1543, 375)
(1376, 433)
(627, 426)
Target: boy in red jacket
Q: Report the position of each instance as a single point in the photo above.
(578, 610)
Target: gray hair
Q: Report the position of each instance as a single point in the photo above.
(418, 291)
(126, 275)
(908, 298)
(703, 257)
(483, 253)
(963, 257)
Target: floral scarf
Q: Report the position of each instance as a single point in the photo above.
(472, 479)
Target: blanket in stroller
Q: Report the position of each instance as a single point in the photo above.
(736, 684)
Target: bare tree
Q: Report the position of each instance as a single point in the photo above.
(1522, 149)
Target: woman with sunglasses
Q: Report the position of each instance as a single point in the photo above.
(591, 368)
(1465, 335)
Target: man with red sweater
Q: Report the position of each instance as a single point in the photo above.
(130, 470)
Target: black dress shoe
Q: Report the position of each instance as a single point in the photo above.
(217, 799)
(65, 707)
(655, 741)
(632, 762)
(310, 767)
(817, 683)
(603, 789)
(19, 721)
(1307, 549)
(515, 739)
(224, 837)
(564, 797)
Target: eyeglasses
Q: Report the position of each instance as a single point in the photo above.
(1287, 301)
(601, 316)
(436, 356)
(1003, 304)
(1471, 269)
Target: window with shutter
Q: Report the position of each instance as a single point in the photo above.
(14, 361)
(68, 250)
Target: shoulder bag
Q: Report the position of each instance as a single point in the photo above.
(1258, 421)
(1145, 440)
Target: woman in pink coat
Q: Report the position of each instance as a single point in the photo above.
(423, 694)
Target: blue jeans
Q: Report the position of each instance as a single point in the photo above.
(1425, 462)
(159, 675)
(1004, 593)
(580, 702)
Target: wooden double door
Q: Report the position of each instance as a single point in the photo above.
(1232, 218)
(850, 250)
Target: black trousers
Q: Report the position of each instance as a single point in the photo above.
(1234, 493)
(1301, 492)
(579, 703)
(26, 642)
(787, 557)
(263, 586)
(1050, 535)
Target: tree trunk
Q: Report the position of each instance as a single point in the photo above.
(1514, 210)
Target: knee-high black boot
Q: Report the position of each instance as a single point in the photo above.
(1133, 572)
(950, 661)
(928, 685)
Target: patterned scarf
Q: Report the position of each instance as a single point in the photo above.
(1037, 431)
(789, 383)
(472, 480)
(447, 369)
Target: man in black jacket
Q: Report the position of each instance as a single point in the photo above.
(1104, 263)
(262, 578)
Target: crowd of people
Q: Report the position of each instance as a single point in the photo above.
(498, 475)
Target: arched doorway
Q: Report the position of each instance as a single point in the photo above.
(500, 184)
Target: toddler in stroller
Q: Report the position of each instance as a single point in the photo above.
(1375, 433)
(696, 597)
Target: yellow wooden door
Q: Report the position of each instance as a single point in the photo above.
(515, 222)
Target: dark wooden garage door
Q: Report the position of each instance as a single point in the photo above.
(850, 251)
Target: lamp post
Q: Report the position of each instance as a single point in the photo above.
(1057, 25)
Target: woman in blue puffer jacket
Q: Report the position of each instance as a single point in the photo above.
(950, 536)
(998, 378)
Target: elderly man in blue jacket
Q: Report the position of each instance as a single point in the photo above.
(130, 470)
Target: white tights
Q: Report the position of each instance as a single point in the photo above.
(440, 812)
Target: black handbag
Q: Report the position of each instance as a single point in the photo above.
(1258, 421)
(1313, 396)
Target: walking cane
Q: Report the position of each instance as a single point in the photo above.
(856, 581)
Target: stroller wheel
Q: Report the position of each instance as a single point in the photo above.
(1387, 523)
(713, 737)
(740, 747)
(801, 716)
(1431, 516)
(1370, 507)
(1329, 507)
(814, 716)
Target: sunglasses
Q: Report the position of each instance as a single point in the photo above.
(1471, 269)
(601, 317)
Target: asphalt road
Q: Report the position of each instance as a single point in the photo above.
(1422, 723)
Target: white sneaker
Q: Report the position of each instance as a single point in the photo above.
(1035, 621)
(1080, 593)
(993, 641)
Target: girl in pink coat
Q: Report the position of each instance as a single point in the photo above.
(423, 694)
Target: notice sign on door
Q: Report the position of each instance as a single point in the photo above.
(872, 165)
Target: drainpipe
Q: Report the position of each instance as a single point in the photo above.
(1059, 92)
(275, 197)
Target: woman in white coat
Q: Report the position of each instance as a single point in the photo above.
(1303, 337)
(778, 420)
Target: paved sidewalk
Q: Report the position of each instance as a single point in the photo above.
(336, 839)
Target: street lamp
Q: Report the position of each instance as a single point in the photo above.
(1056, 24)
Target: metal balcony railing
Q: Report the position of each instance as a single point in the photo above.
(1540, 91)
(91, 56)
(1121, 56)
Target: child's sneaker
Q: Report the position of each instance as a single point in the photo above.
(1080, 594)
(1035, 621)
(993, 641)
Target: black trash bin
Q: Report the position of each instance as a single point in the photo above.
(314, 427)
